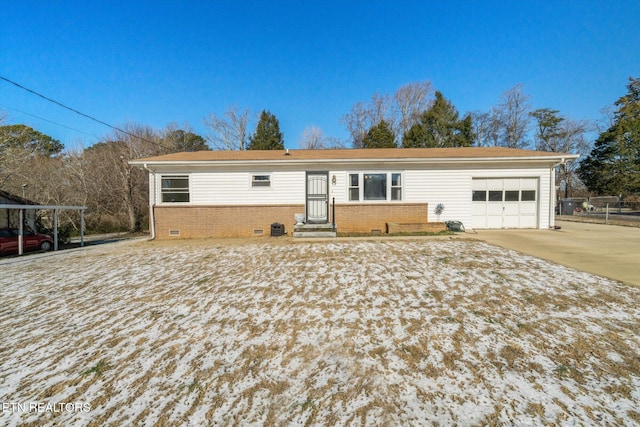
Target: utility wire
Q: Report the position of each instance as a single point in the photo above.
(50, 121)
(78, 112)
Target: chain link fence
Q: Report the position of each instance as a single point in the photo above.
(599, 207)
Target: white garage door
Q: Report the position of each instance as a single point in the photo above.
(504, 203)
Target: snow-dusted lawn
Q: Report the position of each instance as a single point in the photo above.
(386, 332)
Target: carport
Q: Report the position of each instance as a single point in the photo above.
(55, 209)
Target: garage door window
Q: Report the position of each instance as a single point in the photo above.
(511, 195)
(479, 196)
(528, 195)
(495, 196)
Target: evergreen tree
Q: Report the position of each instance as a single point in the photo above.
(613, 166)
(181, 140)
(439, 126)
(267, 135)
(29, 140)
(380, 136)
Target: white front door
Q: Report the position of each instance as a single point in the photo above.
(318, 197)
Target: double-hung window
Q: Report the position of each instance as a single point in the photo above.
(175, 189)
(354, 187)
(396, 186)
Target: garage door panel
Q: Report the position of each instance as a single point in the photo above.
(510, 203)
(528, 208)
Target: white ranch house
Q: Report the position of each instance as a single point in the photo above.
(242, 193)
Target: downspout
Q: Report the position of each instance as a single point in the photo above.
(552, 193)
(152, 204)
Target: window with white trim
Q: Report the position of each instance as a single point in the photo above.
(354, 187)
(261, 180)
(396, 186)
(175, 189)
(375, 186)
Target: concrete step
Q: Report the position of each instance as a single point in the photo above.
(314, 234)
(313, 230)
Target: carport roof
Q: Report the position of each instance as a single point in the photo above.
(43, 207)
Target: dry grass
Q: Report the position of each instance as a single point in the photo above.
(411, 332)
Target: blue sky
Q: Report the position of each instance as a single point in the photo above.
(306, 61)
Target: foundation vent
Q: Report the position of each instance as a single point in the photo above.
(174, 233)
(258, 232)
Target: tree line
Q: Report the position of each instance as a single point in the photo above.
(416, 115)
(38, 167)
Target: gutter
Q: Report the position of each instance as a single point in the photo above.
(417, 160)
(552, 189)
(152, 203)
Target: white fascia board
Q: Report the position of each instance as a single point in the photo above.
(550, 160)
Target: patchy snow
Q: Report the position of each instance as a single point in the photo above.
(383, 332)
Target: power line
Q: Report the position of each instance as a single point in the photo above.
(77, 112)
(50, 121)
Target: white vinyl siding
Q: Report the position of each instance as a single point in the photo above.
(451, 186)
(235, 188)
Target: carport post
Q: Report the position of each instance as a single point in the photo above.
(21, 232)
(81, 227)
(55, 229)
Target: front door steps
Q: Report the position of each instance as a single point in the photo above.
(314, 230)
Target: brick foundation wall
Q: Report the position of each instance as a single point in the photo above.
(222, 221)
(243, 221)
(365, 217)
(416, 227)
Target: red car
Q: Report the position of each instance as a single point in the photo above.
(31, 242)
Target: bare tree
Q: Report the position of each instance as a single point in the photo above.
(115, 187)
(558, 134)
(312, 138)
(486, 128)
(229, 132)
(410, 101)
(575, 141)
(400, 111)
(382, 108)
(513, 115)
(358, 122)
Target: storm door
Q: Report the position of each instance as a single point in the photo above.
(318, 197)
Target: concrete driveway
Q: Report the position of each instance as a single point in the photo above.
(606, 250)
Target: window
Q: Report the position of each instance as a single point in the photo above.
(354, 187)
(528, 195)
(479, 196)
(511, 195)
(396, 186)
(261, 180)
(175, 189)
(495, 195)
(375, 186)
